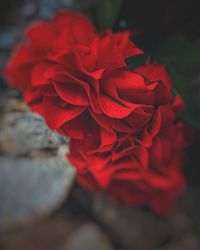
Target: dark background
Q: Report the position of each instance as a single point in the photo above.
(155, 20)
(79, 216)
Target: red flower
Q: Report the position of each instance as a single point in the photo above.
(43, 37)
(140, 168)
(71, 72)
(127, 139)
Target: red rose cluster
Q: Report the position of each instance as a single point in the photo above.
(126, 138)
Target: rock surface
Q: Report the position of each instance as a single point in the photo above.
(24, 133)
(35, 176)
(35, 181)
(140, 229)
(88, 237)
(30, 188)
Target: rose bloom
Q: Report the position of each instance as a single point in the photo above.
(126, 138)
(69, 73)
(141, 168)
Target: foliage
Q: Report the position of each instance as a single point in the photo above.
(182, 57)
(106, 12)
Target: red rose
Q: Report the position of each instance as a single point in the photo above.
(140, 168)
(126, 138)
(68, 75)
(43, 37)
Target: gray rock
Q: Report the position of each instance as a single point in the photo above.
(23, 133)
(137, 228)
(88, 237)
(51, 233)
(31, 188)
(189, 241)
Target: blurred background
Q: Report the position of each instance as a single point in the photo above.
(41, 205)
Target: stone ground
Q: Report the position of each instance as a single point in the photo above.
(41, 206)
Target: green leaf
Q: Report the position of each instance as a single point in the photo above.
(182, 58)
(107, 11)
(136, 61)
